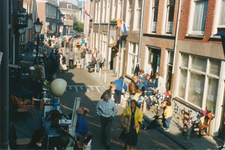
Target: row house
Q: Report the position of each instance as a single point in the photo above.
(31, 9)
(173, 37)
(199, 71)
(70, 12)
(49, 14)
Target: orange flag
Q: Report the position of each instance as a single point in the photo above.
(119, 23)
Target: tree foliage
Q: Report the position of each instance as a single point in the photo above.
(78, 26)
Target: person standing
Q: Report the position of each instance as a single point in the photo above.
(135, 116)
(83, 53)
(106, 110)
(120, 85)
(168, 114)
(159, 83)
(99, 60)
(78, 54)
(71, 58)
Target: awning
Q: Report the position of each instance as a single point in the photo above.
(113, 44)
(222, 33)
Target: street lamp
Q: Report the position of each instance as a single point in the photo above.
(37, 27)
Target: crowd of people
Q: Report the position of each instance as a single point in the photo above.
(107, 107)
(140, 86)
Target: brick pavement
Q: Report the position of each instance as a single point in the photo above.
(147, 139)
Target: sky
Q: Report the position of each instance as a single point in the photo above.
(69, 1)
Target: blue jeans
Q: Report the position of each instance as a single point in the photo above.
(79, 136)
(98, 67)
(167, 122)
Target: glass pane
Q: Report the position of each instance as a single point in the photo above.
(182, 83)
(171, 2)
(214, 67)
(200, 15)
(199, 63)
(168, 77)
(170, 57)
(184, 60)
(158, 60)
(222, 13)
(155, 14)
(150, 58)
(155, 3)
(196, 88)
(134, 48)
(212, 93)
(171, 12)
(132, 64)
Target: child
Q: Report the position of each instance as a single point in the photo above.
(138, 98)
(141, 80)
(168, 113)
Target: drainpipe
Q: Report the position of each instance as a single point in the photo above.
(106, 62)
(141, 31)
(176, 38)
(118, 57)
(4, 75)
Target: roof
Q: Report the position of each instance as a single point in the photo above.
(63, 5)
(222, 33)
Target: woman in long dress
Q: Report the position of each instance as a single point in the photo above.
(135, 116)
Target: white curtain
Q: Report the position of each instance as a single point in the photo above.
(200, 15)
(222, 13)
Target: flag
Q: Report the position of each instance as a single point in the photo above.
(124, 28)
(119, 23)
(86, 12)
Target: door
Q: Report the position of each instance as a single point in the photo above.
(154, 61)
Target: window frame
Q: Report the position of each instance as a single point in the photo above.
(108, 11)
(119, 9)
(128, 13)
(217, 18)
(136, 24)
(99, 11)
(69, 5)
(206, 74)
(191, 18)
(96, 11)
(113, 15)
(168, 6)
(104, 11)
(152, 16)
(131, 54)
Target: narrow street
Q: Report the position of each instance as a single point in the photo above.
(147, 139)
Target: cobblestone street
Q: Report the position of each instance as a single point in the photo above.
(77, 78)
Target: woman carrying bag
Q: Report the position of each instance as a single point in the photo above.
(135, 116)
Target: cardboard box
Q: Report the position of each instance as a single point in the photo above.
(78, 65)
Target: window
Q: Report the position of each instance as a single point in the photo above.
(99, 11)
(113, 10)
(137, 14)
(198, 80)
(51, 12)
(69, 6)
(170, 15)
(119, 10)
(169, 70)
(96, 12)
(132, 58)
(128, 14)
(222, 14)
(155, 15)
(200, 17)
(108, 9)
(103, 12)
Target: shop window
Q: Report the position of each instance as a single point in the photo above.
(211, 96)
(214, 67)
(182, 83)
(199, 63)
(196, 88)
(184, 60)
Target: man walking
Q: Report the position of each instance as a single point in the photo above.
(71, 58)
(107, 110)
